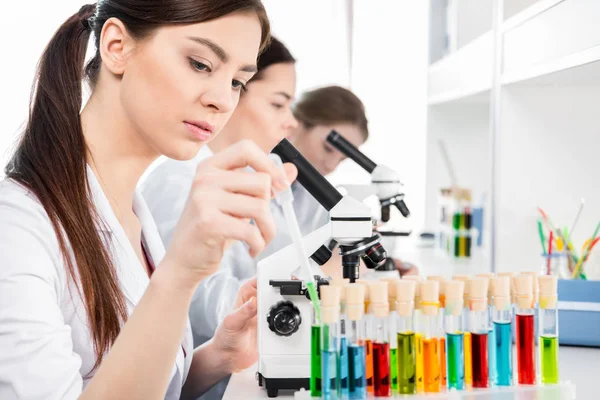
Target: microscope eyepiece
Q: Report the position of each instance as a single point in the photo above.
(351, 151)
(308, 176)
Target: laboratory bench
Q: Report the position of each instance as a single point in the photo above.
(578, 365)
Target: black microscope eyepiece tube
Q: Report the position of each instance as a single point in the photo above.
(343, 145)
(308, 176)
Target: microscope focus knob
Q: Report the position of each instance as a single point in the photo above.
(284, 318)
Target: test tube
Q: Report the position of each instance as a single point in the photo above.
(342, 359)
(491, 332)
(405, 296)
(330, 316)
(356, 334)
(467, 335)
(502, 320)
(381, 339)
(441, 334)
(548, 329)
(536, 299)
(430, 293)
(511, 276)
(479, 327)
(453, 322)
(418, 337)
(391, 282)
(315, 356)
(525, 330)
(367, 321)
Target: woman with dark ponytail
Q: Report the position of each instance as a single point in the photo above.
(91, 304)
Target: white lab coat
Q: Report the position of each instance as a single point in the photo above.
(46, 347)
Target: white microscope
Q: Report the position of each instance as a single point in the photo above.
(284, 309)
(386, 185)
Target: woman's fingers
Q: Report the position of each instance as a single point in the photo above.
(237, 320)
(241, 206)
(238, 229)
(257, 184)
(247, 154)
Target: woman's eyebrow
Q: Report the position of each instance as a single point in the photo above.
(220, 52)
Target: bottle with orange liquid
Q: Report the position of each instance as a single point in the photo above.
(442, 333)
(428, 325)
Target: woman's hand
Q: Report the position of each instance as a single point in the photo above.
(224, 196)
(405, 268)
(235, 338)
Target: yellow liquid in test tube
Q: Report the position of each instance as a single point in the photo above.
(420, 363)
(468, 359)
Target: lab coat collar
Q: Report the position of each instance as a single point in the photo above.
(132, 274)
(133, 278)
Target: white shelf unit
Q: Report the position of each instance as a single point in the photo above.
(547, 132)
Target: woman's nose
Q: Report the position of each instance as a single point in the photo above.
(219, 97)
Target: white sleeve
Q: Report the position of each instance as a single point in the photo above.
(215, 295)
(166, 191)
(37, 360)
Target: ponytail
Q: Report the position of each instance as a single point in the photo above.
(50, 160)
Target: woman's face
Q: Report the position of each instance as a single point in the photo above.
(264, 113)
(180, 86)
(324, 157)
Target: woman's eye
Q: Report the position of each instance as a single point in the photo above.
(198, 66)
(277, 106)
(237, 85)
(328, 149)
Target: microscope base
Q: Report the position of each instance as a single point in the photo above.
(273, 385)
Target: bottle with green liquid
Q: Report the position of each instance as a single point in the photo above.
(405, 337)
(453, 324)
(315, 356)
(548, 329)
(391, 282)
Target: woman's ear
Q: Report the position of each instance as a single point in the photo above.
(116, 44)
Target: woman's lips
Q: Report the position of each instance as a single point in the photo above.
(200, 129)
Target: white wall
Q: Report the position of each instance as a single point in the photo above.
(390, 76)
(464, 127)
(316, 32)
(548, 158)
(26, 28)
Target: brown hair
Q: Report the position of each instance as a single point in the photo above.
(274, 53)
(331, 105)
(50, 158)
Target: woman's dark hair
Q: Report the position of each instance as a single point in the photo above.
(50, 159)
(274, 53)
(331, 105)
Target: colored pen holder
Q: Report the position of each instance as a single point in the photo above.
(556, 264)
